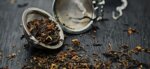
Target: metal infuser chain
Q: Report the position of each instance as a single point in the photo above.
(99, 5)
(119, 9)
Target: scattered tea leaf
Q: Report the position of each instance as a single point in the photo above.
(75, 42)
(22, 5)
(131, 31)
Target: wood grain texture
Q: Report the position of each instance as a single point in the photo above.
(137, 15)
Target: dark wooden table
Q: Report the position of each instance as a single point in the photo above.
(137, 15)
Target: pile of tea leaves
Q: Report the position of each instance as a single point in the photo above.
(66, 59)
(123, 58)
(72, 58)
(44, 30)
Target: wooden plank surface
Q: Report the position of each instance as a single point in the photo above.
(137, 15)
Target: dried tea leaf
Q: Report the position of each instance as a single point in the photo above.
(138, 49)
(97, 65)
(22, 5)
(147, 50)
(11, 56)
(54, 66)
(75, 42)
(131, 31)
(97, 44)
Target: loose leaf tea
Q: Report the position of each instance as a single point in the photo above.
(71, 58)
(22, 5)
(131, 31)
(44, 30)
(67, 59)
(75, 42)
(124, 57)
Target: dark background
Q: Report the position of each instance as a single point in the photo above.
(136, 15)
